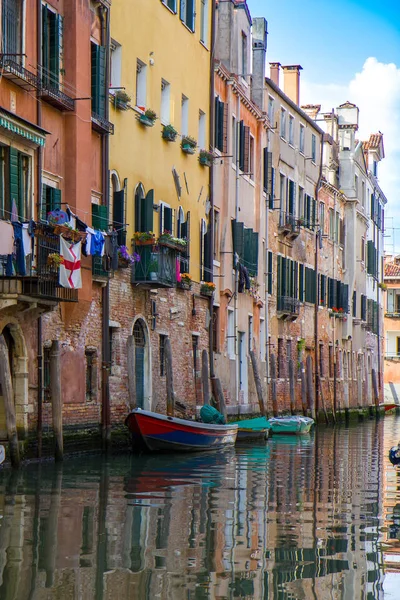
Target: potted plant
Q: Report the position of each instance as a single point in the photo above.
(206, 158)
(125, 259)
(188, 144)
(186, 281)
(153, 269)
(144, 238)
(207, 288)
(54, 260)
(148, 118)
(169, 133)
(167, 239)
(382, 286)
(121, 100)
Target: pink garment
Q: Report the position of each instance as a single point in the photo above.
(6, 238)
(178, 270)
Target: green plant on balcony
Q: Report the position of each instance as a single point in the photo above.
(121, 100)
(148, 118)
(153, 269)
(144, 238)
(207, 288)
(188, 144)
(167, 239)
(169, 133)
(186, 281)
(54, 260)
(382, 286)
(206, 158)
(125, 259)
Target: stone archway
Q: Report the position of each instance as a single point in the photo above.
(142, 363)
(19, 372)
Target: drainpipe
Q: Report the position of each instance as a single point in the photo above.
(39, 425)
(378, 329)
(211, 184)
(334, 320)
(237, 387)
(105, 292)
(317, 241)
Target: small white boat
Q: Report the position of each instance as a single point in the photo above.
(296, 425)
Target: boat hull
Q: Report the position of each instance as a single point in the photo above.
(179, 435)
(290, 425)
(252, 435)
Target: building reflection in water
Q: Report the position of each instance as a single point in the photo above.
(297, 518)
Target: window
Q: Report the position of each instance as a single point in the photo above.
(291, 200)
(291, 130)
(202, 130)
(204, 21)
(184, 115)
(187, 13)
(282, 189)
(165, 102)
(375, 168)
(354, 304)
(91, 374)
(271, 109)
(231, 333)
(321, 360)
(98, 79)
(363, 194)
(46, 373)
(216, 234)
(162, 354)
(244, 55)
(195, 349)
(322, 217)
(251, 158)
(313, 148)
(11, 20)
(250, 333)
(116, 65)
(234, 141)
(221, 121)
(166, 218)
(52, 43)
(337, 227)
(215, 329)
(331, 224)
(302, 138)
(269, 273)
(330, 360)
(143, 209)
(244, 147)
(141, 84)
(171, 4)
(300, 208)
(283, 124)
(288, 353)
(262, 340)
(280, 361)
(362, 250)
(205, 252)
(356, 184)
(15, 183)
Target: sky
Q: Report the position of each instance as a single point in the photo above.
(349, 50)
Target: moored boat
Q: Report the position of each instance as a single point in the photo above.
(160, 432)
(293, 425)
(252, 430)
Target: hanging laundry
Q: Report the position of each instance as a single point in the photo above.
(97, 243)
(111, 249)
(57, 217)
(6, 238)
(80, 225)
(14, 212)
(70, 269)
(26, 239)
(19, 249)
(246, 278)
(88, 245)
(241, 279)
(71, 218)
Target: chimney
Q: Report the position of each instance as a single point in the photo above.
(311, 110)
(291, 77)
(274, 72)
(259, 51)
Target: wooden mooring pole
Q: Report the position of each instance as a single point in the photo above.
(9, 407)
(310, 386)
(218, 395)
(375, 389)
(205, 377)
(291, 387)
(257, 380)
(169, 378)
(273, 385)
(56, 399)
(303, 388)
(130, 357)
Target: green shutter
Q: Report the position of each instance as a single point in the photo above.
(370, 257)
(45, 47)
(54, 49)
(241, 145)
(354, 311)
(167, 224)
(98, 79)
(14, 178)
(301, 283)
(221, 110)
(272, 194)
(291, 198)
(238, 238)
(119, 216)
(255, 253)
(313, 213)
(216, 122)
(147, 214)
(248, 249)
(269, 274)
(55, 198)
(265, 170)
(99, 217)
(171, 4)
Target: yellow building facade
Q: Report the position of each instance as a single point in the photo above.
(159, 189)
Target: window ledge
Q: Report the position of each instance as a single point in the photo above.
(216, 263)
(204, 46)
(173, 12)
(187, 27)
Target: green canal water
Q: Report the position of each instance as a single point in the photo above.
(316, 517)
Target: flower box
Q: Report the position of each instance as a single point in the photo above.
(205, 158)
(188, 144)
(123, 263)
(146, 121)
(121, 104)
(184, 285)
(187, 149)
(207, 289)
(149, 242)
(169, 133)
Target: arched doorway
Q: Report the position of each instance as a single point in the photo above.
(142, 365)
(18, 361)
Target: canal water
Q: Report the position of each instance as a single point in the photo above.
(314, 517)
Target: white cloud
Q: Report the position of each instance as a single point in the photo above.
(376, 91)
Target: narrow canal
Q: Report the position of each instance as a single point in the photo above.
(299, 518)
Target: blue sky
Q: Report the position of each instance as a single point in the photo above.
(349, 50)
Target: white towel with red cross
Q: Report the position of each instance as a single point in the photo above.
(70, 268)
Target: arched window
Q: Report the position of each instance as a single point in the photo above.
(143, 209)
(118, 204)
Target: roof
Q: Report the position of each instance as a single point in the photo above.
(374, 141)
(392, 270)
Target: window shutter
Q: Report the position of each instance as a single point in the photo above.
(55, 49)
(99, 217)
(363, 307)
(216, 122)
(225, 128)
(248, 248)
(14, 179)
(354, 311)
(291, 205)
(241, 146)
(313, 213)
(185, 255)
(238, 238)
(147, 215)
(171, 4)
(182, 11)
(119, 216)
(370, 257)
(221, 107)
(246, 161)
(301, 283)
(295, 279)
(254, 254)
(55, 202)
(190, 14)
(45, 47)
(345, 297)
(207, 276)
(43, 214)
(98, 79)
(271, 182)
(269, 274)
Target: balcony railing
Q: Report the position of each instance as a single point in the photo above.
(289, 225)
(156, 267)
(101, 124)
(98, 271)
(41, 279)
(54, 96)
(15, 72)
(392, 315)
(288, 308)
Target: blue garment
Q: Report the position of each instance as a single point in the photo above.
(97, 243)
(19, 249)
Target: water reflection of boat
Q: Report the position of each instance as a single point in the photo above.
(160, 432)
(291, 440)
